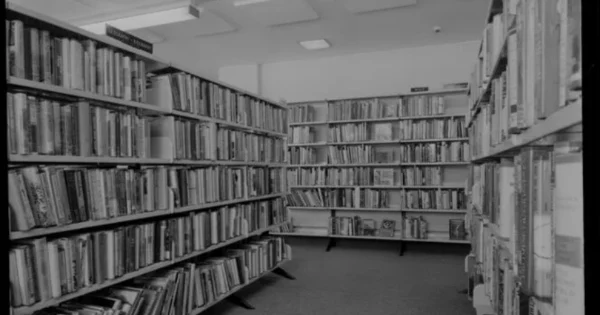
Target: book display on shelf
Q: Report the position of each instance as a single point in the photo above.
(389, 155)
(182, 166)
(525, 136)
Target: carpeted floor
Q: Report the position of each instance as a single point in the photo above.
(360, 277)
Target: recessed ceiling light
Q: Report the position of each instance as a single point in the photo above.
(315, 44)
(240, 3)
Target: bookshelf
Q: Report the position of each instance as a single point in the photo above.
(525, 181)
(382, 154)
(123, 160)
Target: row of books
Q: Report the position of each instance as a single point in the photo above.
(441, 199)
(39, 125)
(527, 209)
(196, 140)
(301, 155)
(434, 152)
(188, 286)
(60, 195)
(339, 197)
(546, 40)
(350, 155)
(42, 269)
(286, 227)
(356, 226)
(302, 134)
(414, 227)
(38, 55)
(184, 92)
(405, 176)
(422, 105)
(54, 196)
(433, 129)
(302, 113)
(361, 132)
(361, 109)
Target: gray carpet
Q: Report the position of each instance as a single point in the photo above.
(361, 277)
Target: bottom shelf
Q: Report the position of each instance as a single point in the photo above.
(426, 240)
(236, 289)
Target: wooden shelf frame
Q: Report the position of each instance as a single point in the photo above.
(374, 120)
(379, 238)
(375, 187)
(448, 211)
(384, 165)
(27, 310)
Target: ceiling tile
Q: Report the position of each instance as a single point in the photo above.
(276, 12)
(209, 23)
(363, 6)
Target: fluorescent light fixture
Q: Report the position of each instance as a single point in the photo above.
(315, 44)
(240, 3)
(145, 20)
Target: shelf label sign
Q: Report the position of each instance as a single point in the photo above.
(419, 89)
(128, 39)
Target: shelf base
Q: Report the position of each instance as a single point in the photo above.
(282, 272)
(240, 302)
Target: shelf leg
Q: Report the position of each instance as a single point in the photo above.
(330, 244)
(281, 272)
(402, 248)
(240, 302)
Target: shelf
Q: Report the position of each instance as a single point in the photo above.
(379, 209)
(234, 290)
(564, 118)
(225, 203)
(427, 240)
(39, 232)
(307, 123)
(433, 140)
(228, 163)
(366, 142)
(407, 94)
(374, 187)
(316, 144)
(27, 310)
(78, 94)
(431, 117)
(62, 159)
(366, 120)
(227, 123)
(395, 164)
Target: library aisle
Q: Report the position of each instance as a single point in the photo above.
(365, 278)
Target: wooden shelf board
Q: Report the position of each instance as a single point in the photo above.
(365, 120)
(395, 164)
(26, 310)
(427, 240)
(39, 86)
(367, 142)
(224, 203)
(316, 144)
(38, 232)
(374, 187)
(448, 211)
(234, 290)
(307, 123)
(15, 158)
(565, 117)
(406, 94)
(433, 116)
(233, 163)
(228, 123)
(434, 210)
(434, 140)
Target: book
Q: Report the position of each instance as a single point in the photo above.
(387, 228)
(457, 229)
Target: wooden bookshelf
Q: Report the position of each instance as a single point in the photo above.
(162, 144)
(27, 310)
(454, 109)
(379, 238)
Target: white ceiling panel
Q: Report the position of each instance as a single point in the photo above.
(277, 12)
(209, 23)
(364, 6)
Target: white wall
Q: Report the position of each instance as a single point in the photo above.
(358, 75)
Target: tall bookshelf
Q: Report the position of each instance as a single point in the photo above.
(401, 159)
(525, 212)
(130, 173)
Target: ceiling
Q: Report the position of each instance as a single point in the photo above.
(270, 31)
